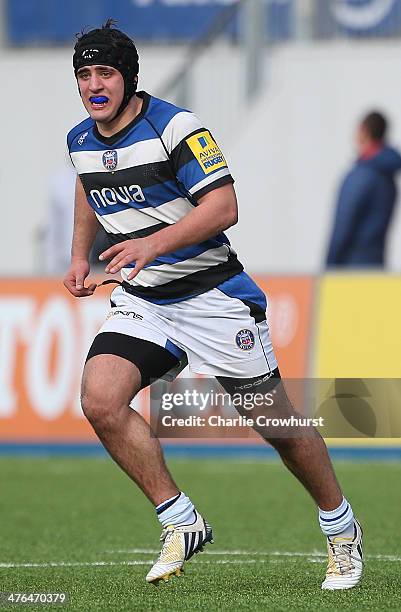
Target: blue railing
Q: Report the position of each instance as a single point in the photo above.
(47, 22)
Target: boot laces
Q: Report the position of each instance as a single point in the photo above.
(166, 534)
(165, 537)
(343, 558)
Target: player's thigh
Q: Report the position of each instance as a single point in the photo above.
(133, 330)
(118, 366)
(109, 380)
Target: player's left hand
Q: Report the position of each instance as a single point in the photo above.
(138, 250)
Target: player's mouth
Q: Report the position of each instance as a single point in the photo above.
(98, 102)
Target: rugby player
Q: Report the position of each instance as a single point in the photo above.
(153, 176)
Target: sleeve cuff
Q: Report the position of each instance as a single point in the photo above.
(224, 180)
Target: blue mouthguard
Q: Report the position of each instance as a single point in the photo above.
(99, 99)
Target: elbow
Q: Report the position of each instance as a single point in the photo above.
(231, 218)
(233, 212)
(230, 210)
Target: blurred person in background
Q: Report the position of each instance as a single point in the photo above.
(366, 200)
(57, 232)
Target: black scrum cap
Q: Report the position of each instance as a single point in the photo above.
(108, 46)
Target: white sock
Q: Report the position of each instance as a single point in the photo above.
(177, 510)
(337, 521)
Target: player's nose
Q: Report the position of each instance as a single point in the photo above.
(95, 83)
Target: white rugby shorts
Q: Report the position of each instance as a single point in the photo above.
(213, 332)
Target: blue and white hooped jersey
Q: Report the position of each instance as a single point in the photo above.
(149, 176)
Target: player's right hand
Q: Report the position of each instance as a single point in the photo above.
(74, 280)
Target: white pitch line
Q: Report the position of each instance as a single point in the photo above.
(154, 551)
(262, 553)
(314, 557)
(119, 563)
(249, 553)
(133, 551)
(74, 564)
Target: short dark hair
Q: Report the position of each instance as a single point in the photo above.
(109, 24)
(376, 125)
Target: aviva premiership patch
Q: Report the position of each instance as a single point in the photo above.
(206, 152)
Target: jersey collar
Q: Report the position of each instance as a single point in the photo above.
(110, 140)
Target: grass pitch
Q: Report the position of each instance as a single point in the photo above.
(79, 526)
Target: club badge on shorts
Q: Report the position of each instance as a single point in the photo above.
(245, 339)
(110, 160)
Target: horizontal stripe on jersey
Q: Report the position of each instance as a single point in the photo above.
(145, 177)
(220, 254)
(168, 213)
(140, 153)
(141, 233)
(159, 274)
(187, 286)
(149, 176)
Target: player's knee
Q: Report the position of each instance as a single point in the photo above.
(108, 386)
(99, 409)
(103, 406)
(91, 408)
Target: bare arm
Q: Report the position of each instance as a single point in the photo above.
(85, 228)
(216, 211)
(85, 225)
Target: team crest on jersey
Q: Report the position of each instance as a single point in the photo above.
(245, 339)
(110, 160)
